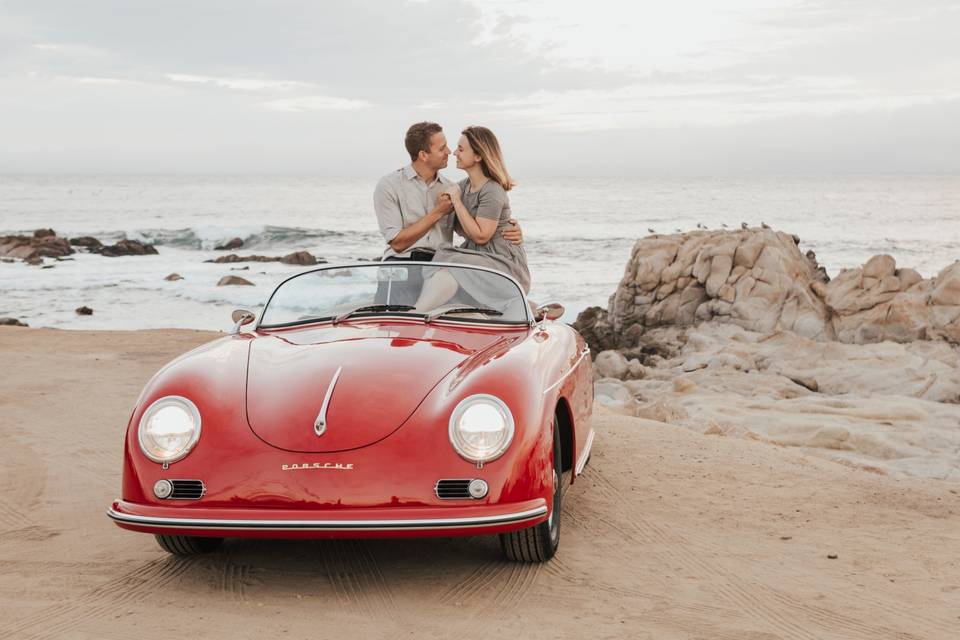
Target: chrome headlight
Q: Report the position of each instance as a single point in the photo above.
(169, 429)
(481, 428)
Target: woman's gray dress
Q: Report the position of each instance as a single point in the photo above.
(491, 202)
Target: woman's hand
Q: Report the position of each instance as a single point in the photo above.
(454, 192)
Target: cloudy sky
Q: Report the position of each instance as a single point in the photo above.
(598, 87)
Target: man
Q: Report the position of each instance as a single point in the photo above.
(414, 215)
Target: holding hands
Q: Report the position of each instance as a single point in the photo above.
(453, 192)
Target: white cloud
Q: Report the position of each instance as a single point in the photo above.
(315, 103)
(239, 84)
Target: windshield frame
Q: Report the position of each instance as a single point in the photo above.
(406, 314)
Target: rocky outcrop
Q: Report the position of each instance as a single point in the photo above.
(302, 258)
(127, 248)
(33, 249)
(230, 245)
(12, 322)
(84, 311)
(173, 277)
(759, 280)
(91, 243)
(233, 280)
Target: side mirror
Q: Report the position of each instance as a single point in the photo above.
(550, 311)
(241, 317)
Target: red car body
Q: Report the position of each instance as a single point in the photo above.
(374, 473)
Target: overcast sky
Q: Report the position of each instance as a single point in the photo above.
(594, 87)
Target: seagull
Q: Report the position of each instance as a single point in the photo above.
(723, 224)
(700, 225)
(650, 230)
(744, 225)
(764, 225)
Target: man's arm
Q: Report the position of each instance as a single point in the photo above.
(408, 236)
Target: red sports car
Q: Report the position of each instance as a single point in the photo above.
(349, 410)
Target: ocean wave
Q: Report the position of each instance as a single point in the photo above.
(204, 238)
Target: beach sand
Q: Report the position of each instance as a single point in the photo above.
(668, 534)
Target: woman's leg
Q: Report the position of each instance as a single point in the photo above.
(437, 289)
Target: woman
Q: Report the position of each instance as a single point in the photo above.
(483, 211)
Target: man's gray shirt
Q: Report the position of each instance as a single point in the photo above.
(400, 199)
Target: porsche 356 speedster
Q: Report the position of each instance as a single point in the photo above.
(347, 411)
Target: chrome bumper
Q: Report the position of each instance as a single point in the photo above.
(327, 525)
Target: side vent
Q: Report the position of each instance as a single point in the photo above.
(187, 490)
(453, 489)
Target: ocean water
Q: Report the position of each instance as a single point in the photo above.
(578, 234)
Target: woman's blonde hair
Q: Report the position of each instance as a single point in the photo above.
(485, 145)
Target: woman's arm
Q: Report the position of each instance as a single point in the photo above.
(480, 230)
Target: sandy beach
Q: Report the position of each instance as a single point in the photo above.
(669, 534)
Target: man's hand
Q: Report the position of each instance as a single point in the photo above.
(513, 233)
(444, 204)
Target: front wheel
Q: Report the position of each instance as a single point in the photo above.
(187, 545)
(539, 543)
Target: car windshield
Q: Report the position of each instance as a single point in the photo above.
(430, 291)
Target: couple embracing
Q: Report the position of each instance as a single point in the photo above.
(418, 211)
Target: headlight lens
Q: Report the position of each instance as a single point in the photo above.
(169, 429)
(481, 428)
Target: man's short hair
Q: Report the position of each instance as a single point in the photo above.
(418, 138)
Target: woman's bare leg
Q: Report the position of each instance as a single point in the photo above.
(437, 289)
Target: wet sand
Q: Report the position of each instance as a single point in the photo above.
(669, 534)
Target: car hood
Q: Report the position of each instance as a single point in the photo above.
(384, 376)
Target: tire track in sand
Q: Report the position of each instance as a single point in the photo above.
(757, 599)
(355, 576)
(138, 585)
(500, 584)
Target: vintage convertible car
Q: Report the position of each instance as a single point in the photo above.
(346, 412)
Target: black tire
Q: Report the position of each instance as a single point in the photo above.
(539, 543)
(187, 545)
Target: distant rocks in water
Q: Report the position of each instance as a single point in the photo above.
(32, 249)
(84, 311)
(230, 245)
(12, 322)
(233, 280)
(173, 277)
(302, 258)
(91, 243)
(127, 248)
(758, 279)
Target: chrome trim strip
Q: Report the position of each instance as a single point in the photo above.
(327, 525)
(576, 364)
(320, 424)
(585, 455)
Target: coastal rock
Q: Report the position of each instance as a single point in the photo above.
(173, 277)
(302, 258)
(84, 311)
(610, 364)
(755, 278)
(230, 245)
(236, 258)
(759, 280)
(127, 248)
(91, 243)
(32, 248)
(44, 233)
(12, 322)
(233, 280)
(888, 406)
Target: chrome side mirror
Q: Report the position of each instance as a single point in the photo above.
(550, 311)
(241, 317)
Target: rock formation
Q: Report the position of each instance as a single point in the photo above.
(303, 258)
(233, 280)
(230, 245)
(759, 280)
